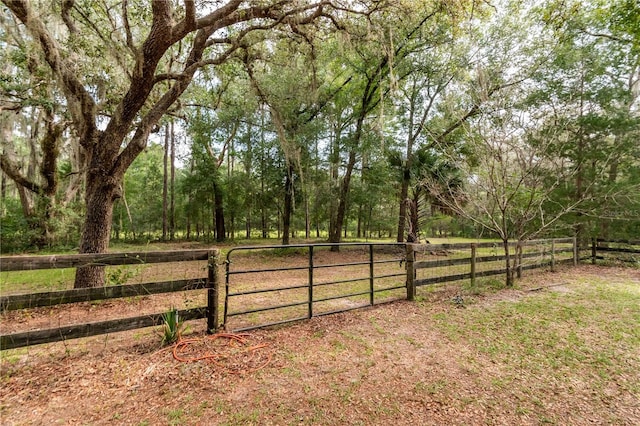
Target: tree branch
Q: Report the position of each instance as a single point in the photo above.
(127, 27)
(11, 169)
(81, 104)
(67, 5)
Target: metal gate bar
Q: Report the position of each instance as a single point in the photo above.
(311, 284)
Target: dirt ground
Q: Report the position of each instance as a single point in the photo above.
(382, 365)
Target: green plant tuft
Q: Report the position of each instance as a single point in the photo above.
(172, 328)
(120, 275)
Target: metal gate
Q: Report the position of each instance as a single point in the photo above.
(309, 280)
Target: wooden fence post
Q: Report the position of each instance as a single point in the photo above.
(213, 287)
(575, 251)
(310, 283)
(474, 250)
(553, 255)
(519, 259)
(594, 251)
(411, 286)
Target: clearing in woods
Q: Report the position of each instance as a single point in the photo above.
(560, 348)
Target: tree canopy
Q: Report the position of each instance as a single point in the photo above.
(317, 119)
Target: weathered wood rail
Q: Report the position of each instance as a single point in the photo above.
(549, 259)
(628, 248)
(51, 298)
(28, 263)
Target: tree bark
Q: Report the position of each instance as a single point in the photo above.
(510, 270)
(288, 205)
(263, 170)
(165, 184)
(248, 162)
(335, 236)
(102, 191)
(219, 211)
(3, 192)
(414, 218)
(404, 196)
(172, 202)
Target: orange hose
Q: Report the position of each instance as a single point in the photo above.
(235, 340)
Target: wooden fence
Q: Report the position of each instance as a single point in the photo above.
(624, 251)
(547, 256)
(545, 253)
(34, 300)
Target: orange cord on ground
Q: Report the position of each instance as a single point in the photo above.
(236, 351)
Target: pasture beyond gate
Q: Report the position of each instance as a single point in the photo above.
(263, 285)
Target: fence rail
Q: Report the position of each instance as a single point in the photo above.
(381, 272)
(548, 256)
(75, 331)
(53, 298)
(28, 263)
(77, 295)
(627, 248)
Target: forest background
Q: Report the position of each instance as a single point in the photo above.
(205, 120)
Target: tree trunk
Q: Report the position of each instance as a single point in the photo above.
(510, 270)
(263, 222)
(307, 217)
(334, 181)
(334, 236)
(263, 207)
(172, 202)
(247, 225)
(102, 191)
(279, 224)
(25, 201)
(3, 193)
(288, 205)
(219, 211)
(404, 194)
(414, 216)
(165, 184)
(248, 162)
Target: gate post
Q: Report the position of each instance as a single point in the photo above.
(411, 285)
(310, 289)
(371, 276)
(474, 249)
(213, 287)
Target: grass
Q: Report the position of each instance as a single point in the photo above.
(42, 280)
(37, 280)
(580, 337)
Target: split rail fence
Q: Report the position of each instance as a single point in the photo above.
(268, 285)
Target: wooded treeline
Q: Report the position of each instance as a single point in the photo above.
(214, 120)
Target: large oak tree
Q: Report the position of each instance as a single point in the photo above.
(158, 64)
